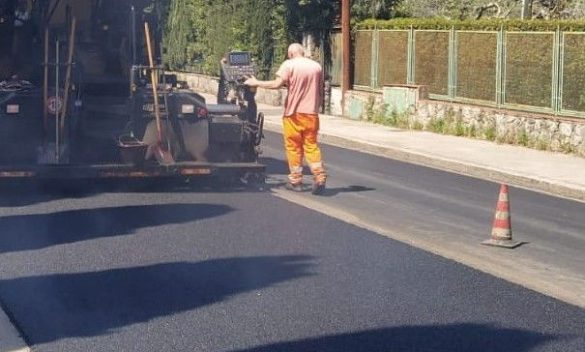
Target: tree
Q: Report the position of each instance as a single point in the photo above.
(474, 9)
(459, 9)
(201, 31)
(378, 9)
(548, 9)
(575, 9)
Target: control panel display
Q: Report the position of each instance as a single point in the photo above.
(238, 67)
(239, 59)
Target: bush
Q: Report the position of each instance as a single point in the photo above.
(475, 25)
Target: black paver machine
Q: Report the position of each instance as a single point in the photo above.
(92, 100)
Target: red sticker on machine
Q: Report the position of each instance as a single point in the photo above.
(54, 104)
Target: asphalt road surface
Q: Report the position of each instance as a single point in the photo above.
(172, 269)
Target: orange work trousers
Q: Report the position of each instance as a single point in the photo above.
(300, 141)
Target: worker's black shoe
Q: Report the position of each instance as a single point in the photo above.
(318, 188)
(295, 187)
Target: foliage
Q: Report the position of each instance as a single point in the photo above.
(377, 9)
(478, 25)
(475, 9)
(200, 32)
(457, 9)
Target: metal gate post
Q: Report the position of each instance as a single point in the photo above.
(557, 74)
(375, 59)
(501, 69)
(410, 57)
(452, 70)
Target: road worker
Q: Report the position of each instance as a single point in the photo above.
(304, 80)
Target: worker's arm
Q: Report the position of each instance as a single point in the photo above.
(276, 83)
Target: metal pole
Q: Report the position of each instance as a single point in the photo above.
(57, 101)
(411, 57)
(452, 82)
(375, 59)
(46, 84)
(133, 33)
(346, 42)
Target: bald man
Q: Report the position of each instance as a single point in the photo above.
(304, 80)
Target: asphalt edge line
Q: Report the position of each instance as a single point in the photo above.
(466, 169)
(478, 263)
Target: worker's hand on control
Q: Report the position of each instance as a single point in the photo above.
(251, 81)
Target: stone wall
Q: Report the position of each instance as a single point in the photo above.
(199, 83)
(208, 84)
(539, 131)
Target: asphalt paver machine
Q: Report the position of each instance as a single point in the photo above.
(84, 94)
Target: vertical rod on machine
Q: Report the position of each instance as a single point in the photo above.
(165, 98)
(154, 79)
(46, 83)
(133, 33)
(346, 47)
(68, 73)
(163, 156)
(57, 101)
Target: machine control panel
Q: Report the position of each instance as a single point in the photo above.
(238, 66)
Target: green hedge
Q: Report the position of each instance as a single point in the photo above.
(477, 25)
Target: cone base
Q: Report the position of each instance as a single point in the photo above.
(502, 243)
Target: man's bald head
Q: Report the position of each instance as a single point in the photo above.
(295, 50)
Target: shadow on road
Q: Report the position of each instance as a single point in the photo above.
(27, 232)
(53, 307)
(279, 167)
(275, 166)
(435, 338)
(330, 192)
(17, 194)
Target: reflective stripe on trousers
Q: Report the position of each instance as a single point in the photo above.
(300, 140)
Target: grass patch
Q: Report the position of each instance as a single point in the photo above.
(437, 125)
(490, 133)
(418, 126)
(399, 120)
(542, 144)
(459, 128)
(471, 131)
(522, 138)
(567, 148)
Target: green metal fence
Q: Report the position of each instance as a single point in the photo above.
(477, 68)
(572, 80)
(364, 44)
(431, 60)
(531, 71)
(392, 57)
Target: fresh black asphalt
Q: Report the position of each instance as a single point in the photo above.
(215, 270)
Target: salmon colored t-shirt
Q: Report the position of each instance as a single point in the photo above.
(303, 77)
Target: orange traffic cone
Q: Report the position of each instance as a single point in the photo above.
(502, 228)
